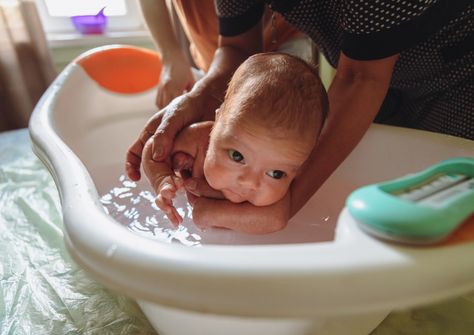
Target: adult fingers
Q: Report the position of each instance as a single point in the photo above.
(133, 157)
(178, 114)
(132, 165)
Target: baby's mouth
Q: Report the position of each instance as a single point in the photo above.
(234, 196)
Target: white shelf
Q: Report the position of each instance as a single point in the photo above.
(58, 40)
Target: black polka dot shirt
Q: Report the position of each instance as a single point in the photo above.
(432, 85)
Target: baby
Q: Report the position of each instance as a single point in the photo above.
(263, 132)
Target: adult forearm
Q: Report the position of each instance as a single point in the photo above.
(159, 24)
(155, 171)
(353, 106)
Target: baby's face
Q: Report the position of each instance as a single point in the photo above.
(250, 166)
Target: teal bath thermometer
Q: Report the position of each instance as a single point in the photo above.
(422, 208)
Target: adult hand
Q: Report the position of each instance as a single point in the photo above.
(197, 105)
(176, 78)
(176, 74)
(162, 129)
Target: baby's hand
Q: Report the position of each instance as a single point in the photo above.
(166, 192)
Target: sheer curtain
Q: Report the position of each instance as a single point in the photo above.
(26, 67)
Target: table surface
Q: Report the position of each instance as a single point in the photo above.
(44, 292)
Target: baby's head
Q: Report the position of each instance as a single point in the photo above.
(266, 128)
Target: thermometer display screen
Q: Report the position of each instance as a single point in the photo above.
(438, 189)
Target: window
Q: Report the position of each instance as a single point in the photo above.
(123, 15)
(85, 7)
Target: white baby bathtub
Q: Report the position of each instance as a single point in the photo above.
(315, 277)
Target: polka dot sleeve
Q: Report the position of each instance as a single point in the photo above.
(236, 17)
(375, 29)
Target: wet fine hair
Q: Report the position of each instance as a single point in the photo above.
(281, 92)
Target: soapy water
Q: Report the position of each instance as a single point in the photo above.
(135, 207)
(132, 204)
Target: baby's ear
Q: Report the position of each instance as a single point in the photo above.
(217, 114)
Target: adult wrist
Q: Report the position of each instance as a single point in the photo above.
(171, 55)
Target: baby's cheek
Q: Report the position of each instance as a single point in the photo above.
(215, 176)
(274, 193)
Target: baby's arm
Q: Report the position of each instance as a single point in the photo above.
(188, 151)
(164, 182)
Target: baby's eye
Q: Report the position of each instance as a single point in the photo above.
(276, 174)
(235, 156)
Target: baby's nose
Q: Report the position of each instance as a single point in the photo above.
(249, 179)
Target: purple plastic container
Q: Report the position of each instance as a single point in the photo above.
(90, 24)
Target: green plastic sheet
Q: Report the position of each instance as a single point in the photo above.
(41, 290)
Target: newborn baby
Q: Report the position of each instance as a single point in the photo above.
(263, 133)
